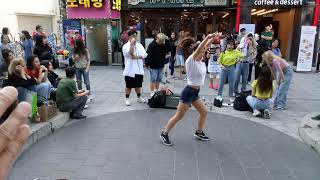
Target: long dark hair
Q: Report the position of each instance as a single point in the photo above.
(30, 61)
(26, 34)
(79, 47)
(186, 45)
(264, 82)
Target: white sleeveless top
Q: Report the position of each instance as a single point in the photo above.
(196, 72)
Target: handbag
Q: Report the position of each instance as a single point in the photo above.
(217, 102)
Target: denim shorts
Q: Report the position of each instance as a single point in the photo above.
(156, 75)
(179, 60)
(189, 95)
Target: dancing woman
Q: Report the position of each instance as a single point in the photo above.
(196, 72)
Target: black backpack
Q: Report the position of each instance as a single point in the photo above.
(240, 103)
(158, 100)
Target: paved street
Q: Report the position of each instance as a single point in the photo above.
(126, 145)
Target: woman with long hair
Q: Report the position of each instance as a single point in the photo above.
(196, 72)
(40, 74)
(43, 50)
(228, 60)
(173, 49)
(262, 91)
(283, 73)
(27, 44)
(81, 59)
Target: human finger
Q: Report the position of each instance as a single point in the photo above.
(9, 154)
(9, 129)
(8, 96)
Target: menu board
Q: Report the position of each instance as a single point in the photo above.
(306, 48)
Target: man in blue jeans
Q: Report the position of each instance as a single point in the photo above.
(155, 60)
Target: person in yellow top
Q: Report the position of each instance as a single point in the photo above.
(262, 91)
(228, 60)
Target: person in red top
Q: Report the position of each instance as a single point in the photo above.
(40, 74)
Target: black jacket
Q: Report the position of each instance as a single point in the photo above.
(15, 81)
(156, 55)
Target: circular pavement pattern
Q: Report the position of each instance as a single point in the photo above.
(126, 146)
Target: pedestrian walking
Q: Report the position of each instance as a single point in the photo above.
(283, 73)
(196, 72)
(134, 53)
(156, 60)
(27, 44)
(82, 62)
(262, 92)
(173, 49)
(228, 60)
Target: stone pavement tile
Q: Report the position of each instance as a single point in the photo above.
(115, 167)
(87, 172)
(232, 170)
(69, 165)
(110, 176)
(61, 175)
(285, 177)
(258, 174)
(94, 160)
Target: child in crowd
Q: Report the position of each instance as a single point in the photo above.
(213, 66)
(262, 91)
(69, 99)
(52, 76)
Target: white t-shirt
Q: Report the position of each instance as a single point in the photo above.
(196, 72)
(133, 66)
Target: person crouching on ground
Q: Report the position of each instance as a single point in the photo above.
(262, 91)
(196, 72)
(69, 99)
(134, 53)
(156, 60)
(284, 71)
(228, 60)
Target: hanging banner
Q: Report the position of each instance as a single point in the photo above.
(306, 48)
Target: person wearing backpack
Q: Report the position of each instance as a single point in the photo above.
(196, 72)
(262, 91)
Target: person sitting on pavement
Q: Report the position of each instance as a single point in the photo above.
(69, 99)
(52, 76)
(40, 74)
(155, 60)
(8, 56)
(19, 79)
(134, 53)
(262, 92)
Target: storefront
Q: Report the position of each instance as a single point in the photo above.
(193, 16)
(287, 18)
(97, 19)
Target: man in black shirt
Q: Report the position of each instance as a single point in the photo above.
(155, 60)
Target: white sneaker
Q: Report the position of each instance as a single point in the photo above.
(127, 102)
(86, 107)
(141, 100)
(256, 113)
(88, 100)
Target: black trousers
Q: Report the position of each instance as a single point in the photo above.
(75, 106)
(250, 71)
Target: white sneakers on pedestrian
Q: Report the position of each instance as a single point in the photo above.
(127, 102)
(141, 100)
(256, 113)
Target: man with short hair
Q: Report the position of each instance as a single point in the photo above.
(134, 53)
(38, 33)
(69, 99)
(267, 35)
(155, 60)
